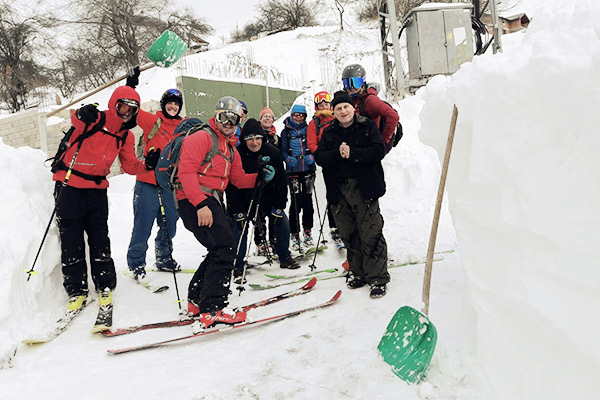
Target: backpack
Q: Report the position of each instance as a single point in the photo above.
(166, 168)
(397, 133)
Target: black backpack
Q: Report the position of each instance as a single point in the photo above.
(398, 132)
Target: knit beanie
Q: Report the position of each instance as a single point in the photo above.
(341, 97)
(298, 108)
(252, 129)
(264, 111)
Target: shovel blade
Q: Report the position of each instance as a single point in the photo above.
(167, 49)
(408, 344)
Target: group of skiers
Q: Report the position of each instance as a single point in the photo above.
(230, 172)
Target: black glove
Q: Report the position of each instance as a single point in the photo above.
(133, 77)
(88, 113)
(152, 159)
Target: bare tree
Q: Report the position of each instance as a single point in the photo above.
(340, 5)
(367, 9)
(19, 45)
(279, 14)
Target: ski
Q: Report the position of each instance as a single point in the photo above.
(251, 263)
(224, 328)
(188, 321)
(182, 270)
(146, 283)
(60, 327)
(104, 318)
(301, 275)
(258, 286)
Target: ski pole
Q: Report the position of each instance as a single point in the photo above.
(163, 214)
(321, 221)
(257, 194)
(63, 185)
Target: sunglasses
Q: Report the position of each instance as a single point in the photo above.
(228, 117)
(355, 82)
(299, 115)
(322, 97)
(127, 107)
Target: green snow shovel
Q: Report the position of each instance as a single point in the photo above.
(409, 340)
(164, 52)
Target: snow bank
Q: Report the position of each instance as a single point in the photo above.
(524, 189)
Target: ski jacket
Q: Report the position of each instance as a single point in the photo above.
(274, 193)
(98, 152)
(375, 108)
(320, 121)
(147, 121)
(364, 164)
(293, 144)
(200, 181)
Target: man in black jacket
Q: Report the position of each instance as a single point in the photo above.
(350, 153)
(255, 151)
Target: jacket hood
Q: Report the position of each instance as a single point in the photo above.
(122, 92)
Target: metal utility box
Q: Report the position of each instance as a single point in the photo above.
(439, 39)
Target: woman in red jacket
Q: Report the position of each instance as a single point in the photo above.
(201, 208)
(158, 130)
(80, 192)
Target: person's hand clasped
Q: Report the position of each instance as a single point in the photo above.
(345, 150)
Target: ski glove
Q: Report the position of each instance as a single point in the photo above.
(152, 158)
(309, 159)
(268, 172)
(277, 212)
(88, 113)
(262, 161)
(291, 161)
(133, 77)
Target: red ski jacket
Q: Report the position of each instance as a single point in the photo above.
(312, 136)
(198, 180)
(163, 135)
(98, 152)
(375, 108)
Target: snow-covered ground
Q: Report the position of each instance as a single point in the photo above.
(515, 304)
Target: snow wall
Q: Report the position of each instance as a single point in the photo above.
(524, 192)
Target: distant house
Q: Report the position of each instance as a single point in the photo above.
(197, 45)
(510, 24)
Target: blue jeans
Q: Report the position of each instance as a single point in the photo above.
(146, 209)
(281, 228)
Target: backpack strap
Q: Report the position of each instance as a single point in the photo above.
(141, 146)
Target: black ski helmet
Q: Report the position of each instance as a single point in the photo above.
(353, 70)
(171, 95)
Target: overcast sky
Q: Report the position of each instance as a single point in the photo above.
(223, 15)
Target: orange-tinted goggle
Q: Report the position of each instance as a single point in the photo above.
(322, 97)
(127, 107)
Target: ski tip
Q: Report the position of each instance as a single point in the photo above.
(310, 284)
(336, 296)
(160, 289)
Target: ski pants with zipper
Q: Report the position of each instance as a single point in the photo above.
(360, 225)
(209, 287)
(79, 212)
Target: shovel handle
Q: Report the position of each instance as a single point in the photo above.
(107, 84)
(436, 215)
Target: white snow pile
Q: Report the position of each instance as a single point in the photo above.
(524, 194)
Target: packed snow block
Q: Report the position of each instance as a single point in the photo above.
(8, 350)
(523, 189)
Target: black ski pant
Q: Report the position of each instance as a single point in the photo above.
(79, 212)
(301, 189)
(360, 224)
(209, 287)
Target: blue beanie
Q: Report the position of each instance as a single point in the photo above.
(298, 108)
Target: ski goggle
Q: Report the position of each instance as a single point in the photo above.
(127, 107)
(227, 117)
(322, 97)
(173, 93)
(355, 82)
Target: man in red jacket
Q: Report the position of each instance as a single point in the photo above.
(201, 208)
(80, 192)
(158, 130)
(367, 104)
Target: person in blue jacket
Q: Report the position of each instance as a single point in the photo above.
(300, 169)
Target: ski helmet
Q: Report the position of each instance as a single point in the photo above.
(229, 103)
(171, 95)
(354, 70)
